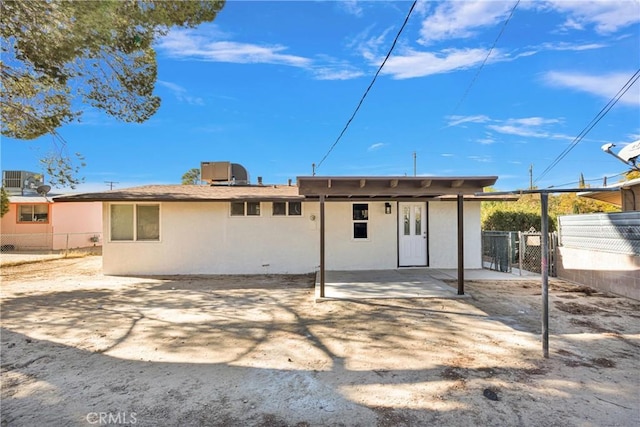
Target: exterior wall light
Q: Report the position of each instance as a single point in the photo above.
(387, 208)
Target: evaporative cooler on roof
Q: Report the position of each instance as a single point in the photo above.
(224, 172)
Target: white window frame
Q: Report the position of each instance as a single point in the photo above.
(360, 221)
(287, 209)
(135, 222)
(245, 212)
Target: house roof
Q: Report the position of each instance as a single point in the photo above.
(613, 197)
(392, 187)
(188, 193)
(30, 198)
(371, 187)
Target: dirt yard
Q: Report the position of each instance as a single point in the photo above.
(82, 349)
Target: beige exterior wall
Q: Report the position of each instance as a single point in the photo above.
(202, 238)
(608, 272)
(378, 252)
(443, 237)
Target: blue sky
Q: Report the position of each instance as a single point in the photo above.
(271, 85)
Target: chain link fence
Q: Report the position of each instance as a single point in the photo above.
(33, 242)
(505, 251)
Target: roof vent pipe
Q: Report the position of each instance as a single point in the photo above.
(289, 182)
(259, 180)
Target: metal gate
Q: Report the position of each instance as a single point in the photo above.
(530, 253)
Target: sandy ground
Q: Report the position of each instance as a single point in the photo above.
(81, 349)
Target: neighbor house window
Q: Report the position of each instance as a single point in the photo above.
(245, 208)
(360, 220)
(287, 209)
(33, 213)
(135, 222)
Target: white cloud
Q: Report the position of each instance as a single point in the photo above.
(181, 93)
(531, 127)
(534, 121)
(518, 130)
(190, 45)
(487, 141)
(461, 19)
(186, 44)
(352, 7)
(457, 120)
(412, 63)
(376, 146)
(333, 74)
(606, 16)
(605, 86)
(481, 159)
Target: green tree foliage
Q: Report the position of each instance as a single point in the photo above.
(60, 56)
(191, 177)
(525, 213)
(4, 202)
(515, 221)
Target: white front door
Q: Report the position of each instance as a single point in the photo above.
(412, 234)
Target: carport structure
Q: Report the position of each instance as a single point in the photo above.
(394, 189)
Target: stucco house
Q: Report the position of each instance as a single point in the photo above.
(318, 223)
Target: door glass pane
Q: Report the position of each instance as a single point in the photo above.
(407, 221)
(121, 222)
(418, 210)
(148, 226)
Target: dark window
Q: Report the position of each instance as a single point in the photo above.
(253, 208)
(33, 213)
(360, 220)
(237, 208)
(279, 208)
(295, 208)
(360, 211)
(360, 230)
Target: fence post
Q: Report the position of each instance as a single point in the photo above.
(66, 247)
(520, 249)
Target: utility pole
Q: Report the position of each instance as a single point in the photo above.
(531, 176)
(415, 172)
(110, 184)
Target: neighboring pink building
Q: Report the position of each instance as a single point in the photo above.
(35, 222)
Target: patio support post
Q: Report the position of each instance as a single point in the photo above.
(322, 229)
(544, 270)
(460, 245)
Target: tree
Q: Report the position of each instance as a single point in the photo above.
(58, 56)
(4, 202)
(191, 177)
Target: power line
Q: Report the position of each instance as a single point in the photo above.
(603, 112)
(588, 180)
(368, 88)
(466, 92)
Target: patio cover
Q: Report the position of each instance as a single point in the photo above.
(396, 188)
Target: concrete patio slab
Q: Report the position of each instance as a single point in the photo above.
(401, 283)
